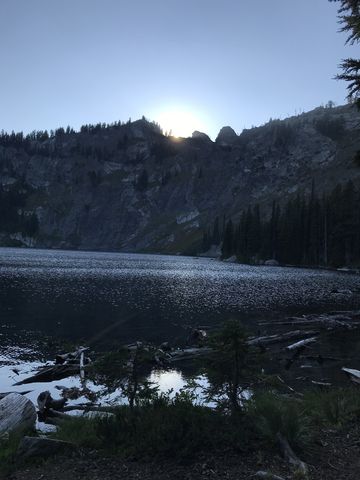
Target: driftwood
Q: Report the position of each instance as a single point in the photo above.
(278, 338)
(71, 356)
(321, 384)
(188, 353)
(66, 365)
(16, 413)
(353, 374)
(301, 344)
(289, 454)
(50, 373)
(46, 402)
(330, 321)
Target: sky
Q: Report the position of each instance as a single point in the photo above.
(188, 64)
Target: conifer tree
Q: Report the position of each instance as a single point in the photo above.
(349, 14)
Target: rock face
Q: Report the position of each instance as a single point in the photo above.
(201, 136)
(16, 413)
(128, 187)
(226, 136)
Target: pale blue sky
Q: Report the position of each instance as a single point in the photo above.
(228, 62)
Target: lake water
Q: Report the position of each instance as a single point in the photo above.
(108, 299)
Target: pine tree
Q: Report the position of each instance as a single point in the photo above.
(349, 14)
(228, 242)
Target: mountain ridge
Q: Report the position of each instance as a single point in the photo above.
(128, 187)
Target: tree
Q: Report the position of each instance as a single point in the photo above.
(227, 248)
(349, 14)
(225, 370)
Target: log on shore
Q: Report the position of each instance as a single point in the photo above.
(71, 356)
(353, 374)
(280, 337)
(346, 320)
(46, 402)
(289, 455)
(188, 353)
(16, 413)
(301, 344)
(50, 373)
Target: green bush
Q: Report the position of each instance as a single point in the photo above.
(336, 407)
(273, 414)
(81, 431)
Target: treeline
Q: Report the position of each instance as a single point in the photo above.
(309, 230)
(20, 140)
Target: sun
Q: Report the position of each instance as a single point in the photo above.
(179, 122)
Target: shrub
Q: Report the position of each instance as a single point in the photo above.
(164, 428)
(335, 407)
(273, 414)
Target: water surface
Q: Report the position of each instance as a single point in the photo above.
(104, 299)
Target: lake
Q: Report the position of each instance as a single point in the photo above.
(108, 299)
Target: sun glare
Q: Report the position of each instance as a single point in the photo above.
(179, 123)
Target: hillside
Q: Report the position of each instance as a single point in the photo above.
(128, 187)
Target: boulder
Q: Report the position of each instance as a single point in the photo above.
(42, 447)
(16, 413)
(271, 263)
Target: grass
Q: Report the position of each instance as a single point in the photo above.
(164, 428)
(8, 452)
(273, 414)
(175, 428)
(335, 407)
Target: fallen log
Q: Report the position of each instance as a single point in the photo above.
(65, 357)
(46, 402)
(353, 374)
(330, 321)
(321, 384)
(16, 413)
(301, 344)
(188, 353)
(50, 373)
(280, 337)
(290, 456)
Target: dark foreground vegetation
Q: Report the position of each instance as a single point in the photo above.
(241, 417)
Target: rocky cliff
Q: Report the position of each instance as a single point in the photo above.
(127, 187)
